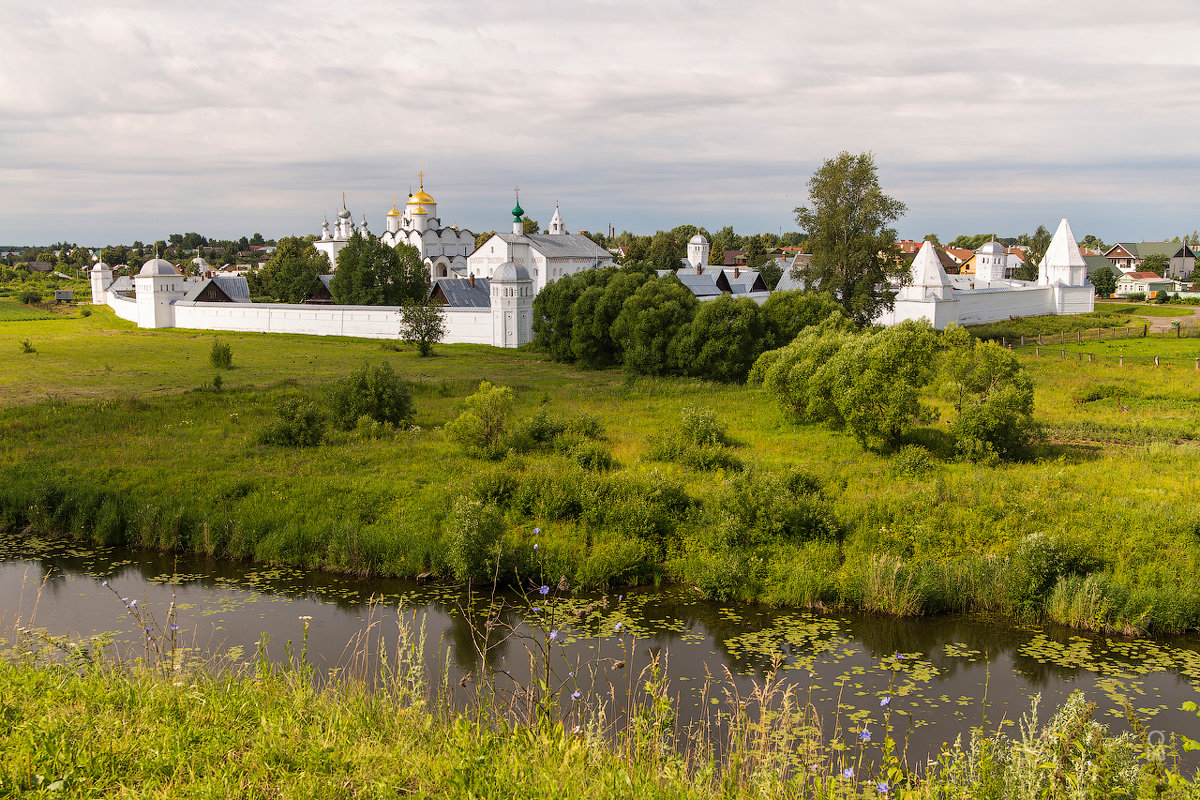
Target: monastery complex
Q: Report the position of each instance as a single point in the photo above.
(487, 292)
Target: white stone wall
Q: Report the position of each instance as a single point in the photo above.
(463, 325)
(124, 307)
(971, 308)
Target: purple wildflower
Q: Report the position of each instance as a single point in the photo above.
(575, 696)
(553, 635)
(617, 627)
(885, 702)
(865, 735)
(535, 547)
(536, 531)
(883, 787)
(848, 773)
(543, 591)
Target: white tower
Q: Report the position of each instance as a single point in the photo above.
(518, 212)
(512, 305)
(1063, 263)
(101, 276)
(393, 218)
(697, 252)
(556, 224)
(990, 261)
(927, 280)
(156, 287)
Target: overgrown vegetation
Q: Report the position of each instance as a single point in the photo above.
(98, 441)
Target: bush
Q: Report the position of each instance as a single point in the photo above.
(699, 442)
(301, 424)
(912, 460)
(85, 312)
(1036, 565)
(220, 355)
(371, 391)
(480, 427)
(759, 508)
(1136, 297)
(27, 346)
(29, 297)
(473, 535)
(593, 456)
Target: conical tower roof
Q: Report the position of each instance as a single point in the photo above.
(1063, 251)
(927, 268)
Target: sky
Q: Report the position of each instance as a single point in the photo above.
(123, 121)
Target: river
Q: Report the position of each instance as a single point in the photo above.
(941, 676)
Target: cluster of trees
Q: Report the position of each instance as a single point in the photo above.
(627, 316)
(876, 383)
(664, 249)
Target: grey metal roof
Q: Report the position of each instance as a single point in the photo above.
(327, 280)
(700, 285)
(562, 245)
(460, 293)
(235, 286)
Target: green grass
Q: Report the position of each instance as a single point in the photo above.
(115, 434)
(1145, 310)
(16, 312)
(94, 728)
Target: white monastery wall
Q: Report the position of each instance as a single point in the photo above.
(124, 307)
(463, 325)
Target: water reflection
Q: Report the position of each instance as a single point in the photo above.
(945, 674)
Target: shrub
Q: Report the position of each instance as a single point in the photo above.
(473, 535)
(622, 559)
(536, 433)
(1136, 297)
(699, 442)
(220, 355)
(29, 296)
(912, 460)
(370, 391)
(593, 456)
(27, 346)
(423, 324)
(480, 427)
(495, 486)
(85, 312)
(1036, 565)
(301, 424)
(762, 508)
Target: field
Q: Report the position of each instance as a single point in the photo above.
(118, 434)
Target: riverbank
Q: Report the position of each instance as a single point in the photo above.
(82, 725)
(117, 435)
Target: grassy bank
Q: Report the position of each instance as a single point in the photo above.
(87, 726)
(117, 435)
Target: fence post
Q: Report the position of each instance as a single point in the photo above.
(1156, 361)
(1090, 358)
(1145, 328)
(1037, 352)
(1022, 340)
(1121, 363)
(1064, 353)
(1077, 335)
(1039, 338)
(1062, 337)
(1198, 365)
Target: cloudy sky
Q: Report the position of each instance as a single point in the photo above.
(133, 120)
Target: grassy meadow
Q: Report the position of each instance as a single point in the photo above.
(118, 435)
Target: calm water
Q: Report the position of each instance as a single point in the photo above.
(944, 675)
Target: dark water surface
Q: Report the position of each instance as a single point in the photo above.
(944, 675)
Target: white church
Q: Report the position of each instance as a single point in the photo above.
(444, 249)
(930, 293)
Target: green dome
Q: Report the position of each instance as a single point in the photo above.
(517, 211)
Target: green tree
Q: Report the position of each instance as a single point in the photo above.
(371, 391)
(723, 340)
(370, 273)
(991, 394)
(1038, 243)
(530, 226)
(1105, 282)
(1093, 242)
(786, 314)
(553, 313)
(596, 310)
(1156, 263)
(291, 273)
(771, 272)
(756, 254)
(483, 237)
(933, 237)
(423, 324)
(480, 427)
(649, 321)
(853, 249)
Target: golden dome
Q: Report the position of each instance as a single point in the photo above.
(420, 210)
(394, 212)
(421, 197)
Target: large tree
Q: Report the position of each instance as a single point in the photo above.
(369, 273)
(853, 248)
(290, 275)
(649, 321)
(1105, 282)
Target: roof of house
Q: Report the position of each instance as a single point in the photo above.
(959, 254)
(459, 293)
(703, 285)
(1142, 249)
(1144, 276)
(561, 245)
(1096, 263)
(233, 289)
(787, 283)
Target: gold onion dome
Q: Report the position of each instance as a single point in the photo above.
(420, 197)
(420, 210)
(394, 212)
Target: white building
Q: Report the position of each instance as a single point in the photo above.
(546, 257)
(443, 249)
(929, 293)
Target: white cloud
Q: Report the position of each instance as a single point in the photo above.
(127, 120)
